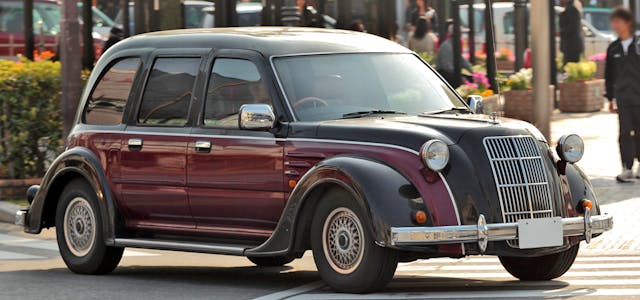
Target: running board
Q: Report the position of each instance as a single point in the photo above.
(183, 246)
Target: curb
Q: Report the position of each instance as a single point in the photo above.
(8, 212)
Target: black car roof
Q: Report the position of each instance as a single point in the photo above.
(270, 41)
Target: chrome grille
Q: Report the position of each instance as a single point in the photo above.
(520, 176)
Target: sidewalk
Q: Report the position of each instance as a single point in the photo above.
(601, 162)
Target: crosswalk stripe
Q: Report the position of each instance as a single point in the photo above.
(582, 292)
(493, 259)
(507, 275)
(16, 241)
(502, 284)
(7, 255)
(469, 267)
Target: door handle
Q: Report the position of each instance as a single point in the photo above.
(135, 144)
(203, 146)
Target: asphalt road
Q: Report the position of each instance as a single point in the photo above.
(30, 268)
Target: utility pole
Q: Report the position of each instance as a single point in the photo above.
(457, 47)
(541, 70)
(70, 63)
(88, 54)
(126, 18)
(29, 39)
(490, 46)
(520, 20)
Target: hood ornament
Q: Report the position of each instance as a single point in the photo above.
(494, 118)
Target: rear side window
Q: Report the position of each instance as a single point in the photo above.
(107, 101)
(167, 96)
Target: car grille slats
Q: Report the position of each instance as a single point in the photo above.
(520, 177)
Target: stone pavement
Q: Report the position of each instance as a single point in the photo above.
(601, 162)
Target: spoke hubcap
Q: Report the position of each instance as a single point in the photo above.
(343, 240)
(79, 226)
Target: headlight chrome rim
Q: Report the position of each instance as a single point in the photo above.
(570, 148)
(435, 155)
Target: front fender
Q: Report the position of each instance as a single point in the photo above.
(386, 196)
(580, 188)
(73, 163)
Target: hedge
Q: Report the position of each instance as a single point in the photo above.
(30, 121)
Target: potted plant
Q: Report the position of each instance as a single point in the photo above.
(580, 91)
(600, 60)
(518, 96)
(480, 86)
(505, 61)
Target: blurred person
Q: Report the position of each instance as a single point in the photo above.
(357, 25)
(571, 36)
(309, 16)
(115, 35)
(423, 39)
(622, 76)
(395, 36)
(445, 63)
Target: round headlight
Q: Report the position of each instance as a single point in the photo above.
(570, 148)
(435, 154)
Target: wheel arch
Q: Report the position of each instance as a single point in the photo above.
(74, 163)
(376, 187)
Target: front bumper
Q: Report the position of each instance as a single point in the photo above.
(586, 227)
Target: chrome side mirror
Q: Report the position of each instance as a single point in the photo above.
(256, 117)
(475, 103)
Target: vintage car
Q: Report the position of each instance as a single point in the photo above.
(268, 142)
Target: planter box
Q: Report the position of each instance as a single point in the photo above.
(505, 65)
(492, 104)
(581, 96)
(600, 64)
(518, 104)
(16, 189)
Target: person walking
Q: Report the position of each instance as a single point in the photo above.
(423, 39)
(445, 61)
(571, 36)
(622, 75)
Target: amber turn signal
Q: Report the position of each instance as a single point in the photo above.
(421, 217)
(583, 205)
(292, 183)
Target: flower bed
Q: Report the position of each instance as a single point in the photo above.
(580, 92)
(16, 189)
(518, 104)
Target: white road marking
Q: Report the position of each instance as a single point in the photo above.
(582, 292)
(293, 291)
(507, 275)
(491, 259)
(16, 241)
(467, 267)
(6, 255)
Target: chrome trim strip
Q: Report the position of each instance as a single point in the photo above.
(181, 246)
(354, 143)
(453, 202)
(416, 236)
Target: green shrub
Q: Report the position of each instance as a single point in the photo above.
(30, 121)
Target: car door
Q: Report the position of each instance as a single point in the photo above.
(153, 151)
(235, 177)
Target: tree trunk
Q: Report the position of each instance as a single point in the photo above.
(29, 39)
(70, 64)
(88, 54)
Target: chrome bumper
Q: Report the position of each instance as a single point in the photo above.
(483, 233)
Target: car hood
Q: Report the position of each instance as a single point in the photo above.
(413, 131)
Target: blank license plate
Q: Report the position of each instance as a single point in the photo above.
(538, 233)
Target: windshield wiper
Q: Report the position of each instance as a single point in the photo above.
(448, 110)
(366, 113)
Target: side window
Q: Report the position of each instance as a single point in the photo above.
(233, 83)
(108, 99)
(167, 96)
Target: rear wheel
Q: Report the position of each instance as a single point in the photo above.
(275, 261)
(344, 249)
(80, 234)
(542, 267)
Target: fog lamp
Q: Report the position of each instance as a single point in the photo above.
(570, 148)
(435, 155)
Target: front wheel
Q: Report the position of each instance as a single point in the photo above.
(80, 234)
(540, 268)
(344, 249)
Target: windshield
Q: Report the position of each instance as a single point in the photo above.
(335, 86)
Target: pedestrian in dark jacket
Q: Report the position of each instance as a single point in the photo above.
(571, 37)
(622, 75)
(115, 35)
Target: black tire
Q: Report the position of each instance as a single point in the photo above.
(540, 268)
(95, 257)
(276, 261)
(376, 265)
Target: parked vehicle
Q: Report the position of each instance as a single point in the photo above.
(250, 14)
(46, 26)
(598, 17)
(504, 24)
(192, 14)
(298, 138)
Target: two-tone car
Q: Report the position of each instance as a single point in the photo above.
(268, 142)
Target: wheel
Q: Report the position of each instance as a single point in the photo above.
(344, 249)
(80, 234)
(276, 261)
(540, 268)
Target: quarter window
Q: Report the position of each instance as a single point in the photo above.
(108, 100)
(233, 83)
(167, 96)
